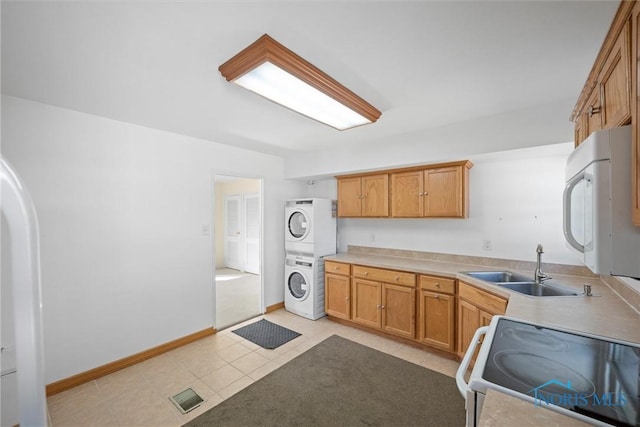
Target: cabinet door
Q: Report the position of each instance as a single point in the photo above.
(468, 323)
(635, 147)
(578, 130)
(437, 320)
(349, 196)
(375, 192)
(615, 83)
(366, 303)
(399, 310)
(593, 118)
(407, 190)
(485, 317)
(443, 192)
(337, 294)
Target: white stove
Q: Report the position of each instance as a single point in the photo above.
(587, 377)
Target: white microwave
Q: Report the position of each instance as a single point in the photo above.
(597, 204)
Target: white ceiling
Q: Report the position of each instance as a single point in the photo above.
(423, 64)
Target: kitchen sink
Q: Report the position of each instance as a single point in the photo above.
(498, 276)
(538, 289)
(521, 284)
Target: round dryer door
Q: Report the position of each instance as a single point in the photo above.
(298, 285)
(298, 225)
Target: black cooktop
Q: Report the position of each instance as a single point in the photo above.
(584, 374)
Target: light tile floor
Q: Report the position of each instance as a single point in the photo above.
(237, 296)
(215, 367)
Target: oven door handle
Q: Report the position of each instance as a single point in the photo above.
(463, 387)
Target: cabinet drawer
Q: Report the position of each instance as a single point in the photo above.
(387, 276)
(491, 303)
(438, 284)
(337, 268)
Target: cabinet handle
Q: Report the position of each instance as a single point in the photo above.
(347, 299)
(421, 194)
(437, 285)
(437, 296)
(366, 273)
(378, 306)
(593, 110)
(382, 307)
(426, 193)
(397, 278)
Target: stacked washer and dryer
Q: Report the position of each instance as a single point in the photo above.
(310, 234)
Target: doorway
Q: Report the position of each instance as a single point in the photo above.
(238, 288)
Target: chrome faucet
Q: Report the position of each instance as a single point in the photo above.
(539, 276)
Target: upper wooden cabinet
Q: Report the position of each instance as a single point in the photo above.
(435, 191)
(580, 129)
(407, 189)
(605, 101)
(610, 96)
(446, 191)
(635, 111)
(440, 190)
(615, 82)
(363, 196)
(593, 118)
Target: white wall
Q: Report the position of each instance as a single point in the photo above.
(125, 266)
(530, 127)
(515, 202)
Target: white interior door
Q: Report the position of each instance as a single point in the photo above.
(251, 208)
(233, 231)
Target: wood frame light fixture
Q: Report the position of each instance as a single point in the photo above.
(275, 72)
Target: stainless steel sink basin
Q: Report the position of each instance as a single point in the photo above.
(498, 276)
(521, 284)
(538, 289)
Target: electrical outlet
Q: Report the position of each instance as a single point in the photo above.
(486, 245)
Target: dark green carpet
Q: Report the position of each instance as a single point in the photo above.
(342, 383)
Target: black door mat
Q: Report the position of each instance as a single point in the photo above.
(266, 334)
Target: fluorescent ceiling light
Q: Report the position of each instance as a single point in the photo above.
(273, 71)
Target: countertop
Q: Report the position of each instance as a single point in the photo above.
(605, 313)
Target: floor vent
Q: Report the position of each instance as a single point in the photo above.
(187, 400)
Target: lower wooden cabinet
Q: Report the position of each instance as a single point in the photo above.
(337, 293)
(468, 322)
(437, 320)
(475, 309)
(337, 289)
(384, 299)
(399, 310)
(435, 311)
(384, 306)
(367, 299)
